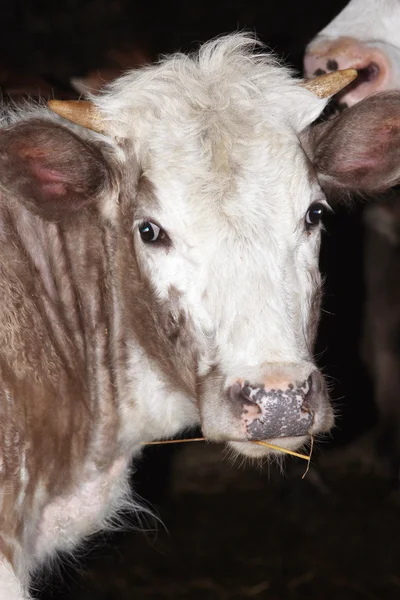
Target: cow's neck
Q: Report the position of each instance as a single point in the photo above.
(56, 293)
(82, 286)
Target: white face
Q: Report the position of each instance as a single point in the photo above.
(227, 231)
(236, 238)
(237, 247)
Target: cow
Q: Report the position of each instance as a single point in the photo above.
(159, 270)
(365, 35)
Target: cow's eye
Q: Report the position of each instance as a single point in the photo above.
(150, 232)
(314, 215)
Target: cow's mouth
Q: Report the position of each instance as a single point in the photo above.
(284, 408)
(252, 450)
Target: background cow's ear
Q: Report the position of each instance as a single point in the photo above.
(359, 150)
(50, 168)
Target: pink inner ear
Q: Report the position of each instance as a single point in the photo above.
(375, 155)
(53, 168)
(53, 181)
(359, 162)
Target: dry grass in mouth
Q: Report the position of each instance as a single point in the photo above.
(259, 442)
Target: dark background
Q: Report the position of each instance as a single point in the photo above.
(70, 36)
(232, 533)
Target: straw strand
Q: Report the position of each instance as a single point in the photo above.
(259, 442)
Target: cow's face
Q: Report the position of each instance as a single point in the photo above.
(227, 228)
(226, 222)
(225, 217)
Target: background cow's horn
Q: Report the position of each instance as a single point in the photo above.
(81, 112)
(331, 83)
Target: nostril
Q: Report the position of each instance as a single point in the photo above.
(241, 395)
(305, 407)
(368, 73)
(332, 65)
(241, 402)
(316, 385)
(235, 392)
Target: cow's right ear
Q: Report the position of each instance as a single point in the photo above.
(50, 168)
(359, 150)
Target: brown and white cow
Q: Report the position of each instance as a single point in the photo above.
(161, 273)
(366, 36)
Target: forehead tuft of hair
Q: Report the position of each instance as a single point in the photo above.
(233, 72)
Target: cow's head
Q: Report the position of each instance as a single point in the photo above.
(216, 192)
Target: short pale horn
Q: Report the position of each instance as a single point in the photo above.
(80, 112)
(330, 83)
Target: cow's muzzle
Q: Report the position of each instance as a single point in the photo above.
(283, 410)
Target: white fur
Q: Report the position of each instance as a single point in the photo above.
(84, 511)
(10, 587)
(150, 410)
(372, 20)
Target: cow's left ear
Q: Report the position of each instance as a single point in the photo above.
(359, 150)
(50, 168)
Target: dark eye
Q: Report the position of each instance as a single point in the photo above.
(150, 232)
(314, 215)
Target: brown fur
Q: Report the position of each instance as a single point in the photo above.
(51, 168)
(359, 150)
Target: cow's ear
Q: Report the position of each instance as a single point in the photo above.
(50, 168)
(359, 150)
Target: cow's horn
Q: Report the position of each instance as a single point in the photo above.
(81, 112)
(330, 83)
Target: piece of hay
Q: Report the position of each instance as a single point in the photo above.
(202, 439)
(259, 442)
(309, 458)
(280, 449)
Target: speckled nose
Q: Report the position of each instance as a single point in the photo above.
(276, 412)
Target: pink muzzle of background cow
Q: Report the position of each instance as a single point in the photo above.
(324, 55)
